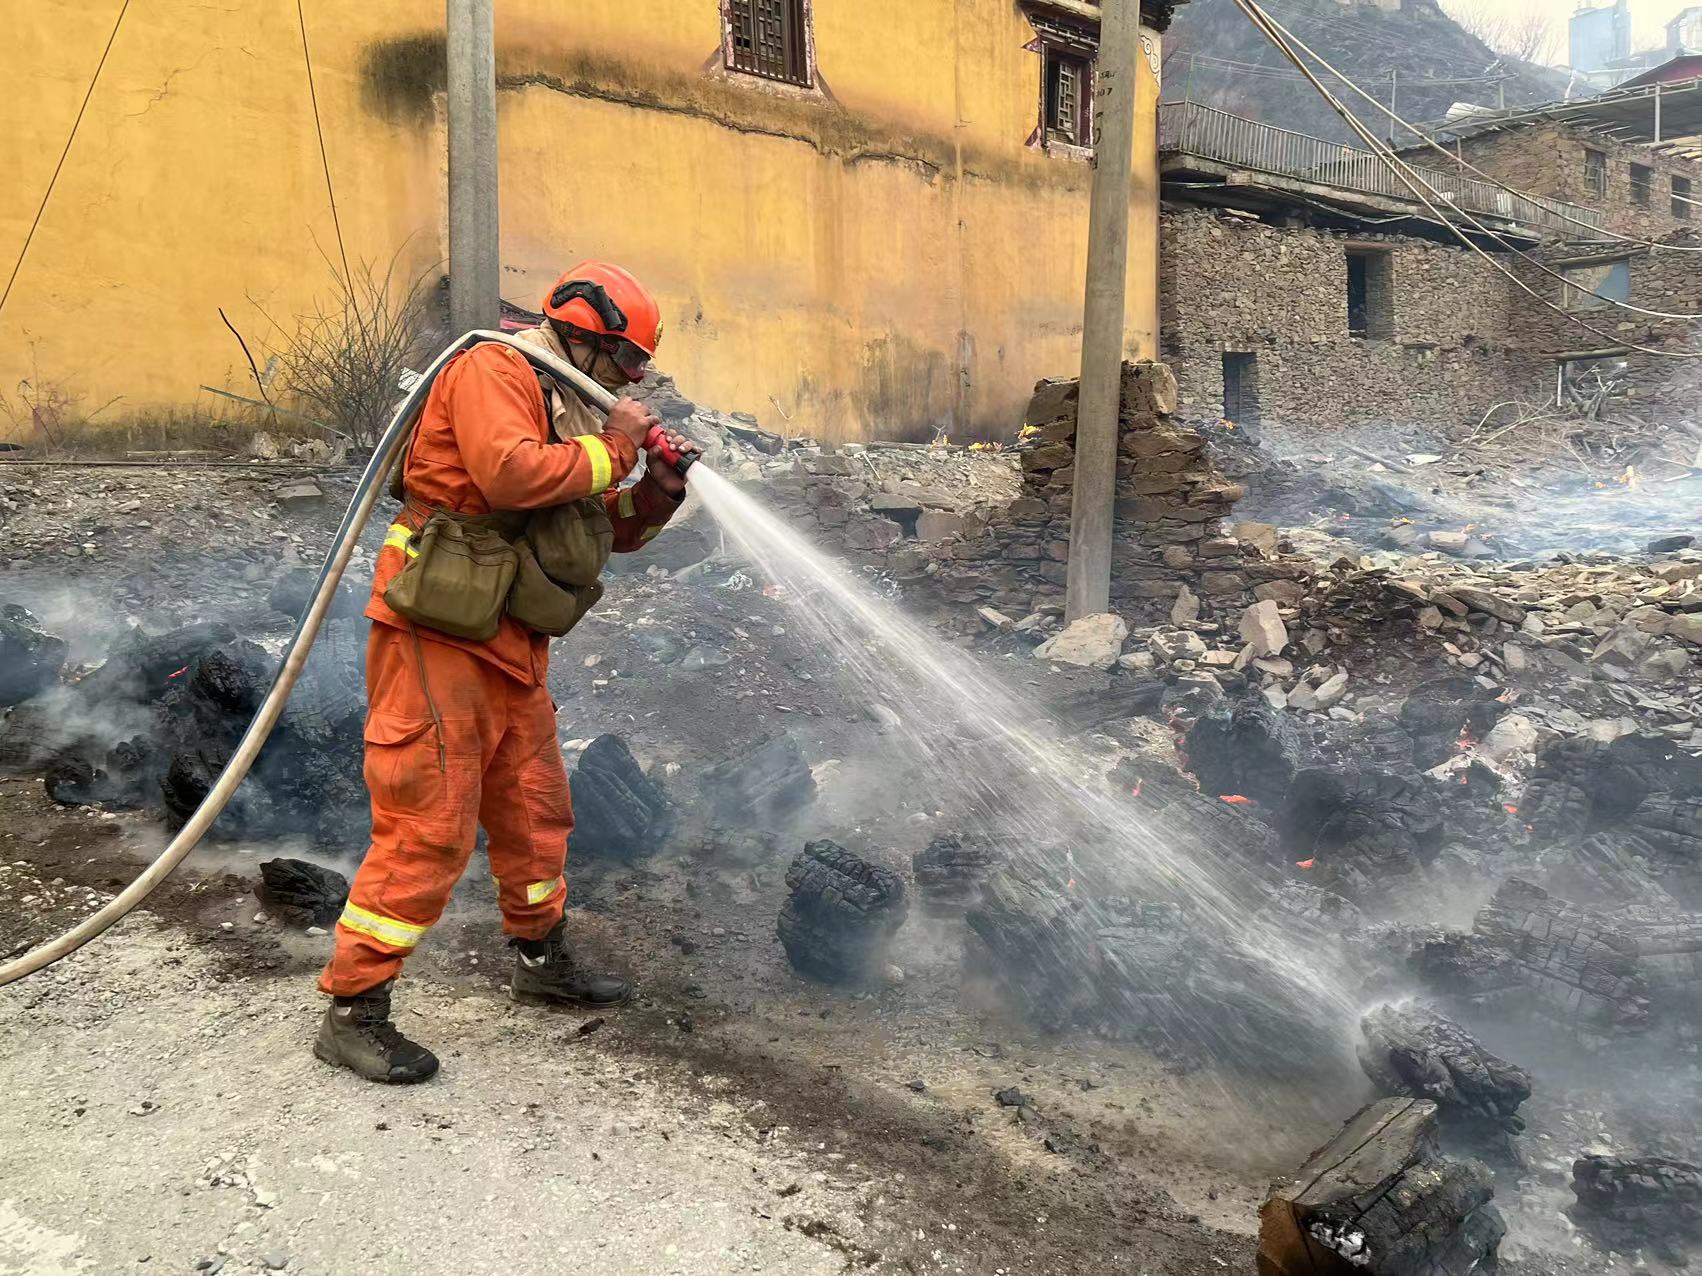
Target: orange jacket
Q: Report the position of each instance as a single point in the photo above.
(484, 444)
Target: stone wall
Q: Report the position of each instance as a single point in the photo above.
(958, 539)
(1232, 284)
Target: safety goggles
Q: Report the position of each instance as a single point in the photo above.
(628, 357)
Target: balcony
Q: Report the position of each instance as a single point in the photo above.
(1198, 141)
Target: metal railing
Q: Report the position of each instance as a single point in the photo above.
(1189, 128)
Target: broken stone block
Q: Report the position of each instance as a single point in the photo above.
(302, 494)
(1181, 644)
(1381, 1200)
(1412, 1050)
(872, 534)
(1094, 642)
(302, 894)
(1261, 536)
(1262, 627)
(1331, 691)
(1481, 600)
(617, 810)
(1186, 609)
(1052, 401)
(841, 914)
(937, 525)
(30, 657)
(1670, 544)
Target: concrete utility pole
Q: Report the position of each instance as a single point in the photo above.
(1088, 584)
(475, 263)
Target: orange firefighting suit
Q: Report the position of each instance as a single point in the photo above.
(462, 733)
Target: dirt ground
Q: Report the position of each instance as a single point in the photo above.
(168, 1110)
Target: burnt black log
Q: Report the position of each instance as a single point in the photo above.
(1250, 750)
(30, 658)
(841, 914)
(1381, 1200)
(1581, 784)
(1669, 950)
(617, 809)
(139, 669)
(1369, 832)
(1631, 1203)
(950, 873)
(763, 787)
(1031, 940)
(1415, 1052)
(1582, 969)
(1610, 870)
(1443, 713)
(1672, 824)
(300, 893)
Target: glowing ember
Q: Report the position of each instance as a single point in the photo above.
(178, 674)
(1136, 791)
(1304, 863)
(1509, 808)
(1629, 478)
(1235, 799)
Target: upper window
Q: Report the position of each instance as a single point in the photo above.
(1595, 172)
(1642, 182)
(1067, 97)
(1592, 285)
(770, 38)
(1681, 201)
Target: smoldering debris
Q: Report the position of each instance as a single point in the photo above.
(950, 872)
(764, 787)
(1380, 1199)
(840, 914)
(1633, 1203)
(1413, 1051)
(299, 893)
(618, 810)
(30, 658)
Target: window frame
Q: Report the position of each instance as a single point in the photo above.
(1576, 298)
(1642, 185)
(1058, 38)
(1683, 201)
(1377, 279)
(804, 43)
(1595, 172)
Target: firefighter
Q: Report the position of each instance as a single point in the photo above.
(461, 731)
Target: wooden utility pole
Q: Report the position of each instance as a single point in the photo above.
(475, 263)
(1088, 584)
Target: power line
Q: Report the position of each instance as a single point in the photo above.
(1276, 35)
(324, 159)
(53, 181)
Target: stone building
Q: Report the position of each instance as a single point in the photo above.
(1303, 283)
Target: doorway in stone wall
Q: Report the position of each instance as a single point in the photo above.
(1241, 388)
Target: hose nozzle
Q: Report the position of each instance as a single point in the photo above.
(657, 442)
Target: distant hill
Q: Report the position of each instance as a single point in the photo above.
(1215, 55)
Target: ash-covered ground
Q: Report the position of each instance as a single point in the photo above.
(1471, 795)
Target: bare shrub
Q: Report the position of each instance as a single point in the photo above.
(342, 360)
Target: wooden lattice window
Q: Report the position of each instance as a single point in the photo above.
(1068, 97)
(770, 38)
(1595, 172)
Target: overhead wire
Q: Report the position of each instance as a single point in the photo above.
(324, 159)
(1265, 24)
(1459, 160)
(1478, 225)
(54, 180)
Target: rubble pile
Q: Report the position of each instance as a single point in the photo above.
(841, 913)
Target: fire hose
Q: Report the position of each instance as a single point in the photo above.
(293, 660)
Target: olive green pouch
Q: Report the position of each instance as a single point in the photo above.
(538, 602)
(457, 579)
(572, 541)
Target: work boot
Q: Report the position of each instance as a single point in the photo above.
(544, 971)
(357, 1033)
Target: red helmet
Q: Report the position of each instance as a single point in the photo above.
(599, 297)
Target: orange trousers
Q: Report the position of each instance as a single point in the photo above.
(493, 760)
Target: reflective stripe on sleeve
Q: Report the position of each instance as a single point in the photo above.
(648, 532)
(602, 467)
(538, 892)
(626, 507)
(387, 930)
(402, 537)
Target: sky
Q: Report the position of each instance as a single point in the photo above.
(1648, 17)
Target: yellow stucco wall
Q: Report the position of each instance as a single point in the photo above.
(875, 259)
